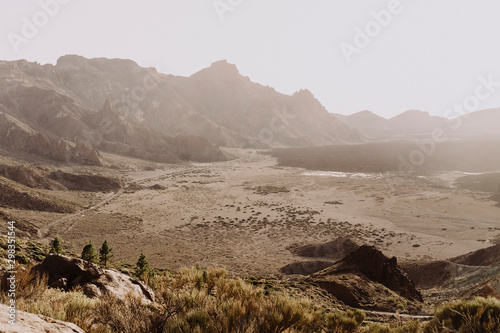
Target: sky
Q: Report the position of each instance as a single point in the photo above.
(384, 56)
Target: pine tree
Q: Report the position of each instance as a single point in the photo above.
(105, 253)
(89, 253)
(142, 266)
(56, 246)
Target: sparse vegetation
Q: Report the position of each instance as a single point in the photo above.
(209, 300)
(188, 300)
(269, 189)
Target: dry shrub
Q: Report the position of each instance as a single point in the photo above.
(196, 300)
(30, 284)
(33, 295)
(190, 300)
(412, 326)
(479, 315)
(128, 316)
(74, 307)
(347, 322)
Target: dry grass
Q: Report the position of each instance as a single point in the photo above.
(208, 300)
(188, 300)
(480, 315)
(33, 295)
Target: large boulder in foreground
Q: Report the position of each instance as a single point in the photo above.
(366, 279)
(32, 323)
(65, 273)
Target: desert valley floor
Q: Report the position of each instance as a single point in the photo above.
(248, 214)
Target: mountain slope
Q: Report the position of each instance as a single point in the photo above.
(217, 103)
(65, 102)
(40, 114)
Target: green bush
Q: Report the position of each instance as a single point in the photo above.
(22, 259)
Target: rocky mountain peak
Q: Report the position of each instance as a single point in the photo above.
(76, 62)
(220, 71)
(223, 65)
(304, 93)
(370, 263)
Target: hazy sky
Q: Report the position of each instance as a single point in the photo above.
(425, 54)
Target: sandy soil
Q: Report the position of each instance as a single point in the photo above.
(243, 214)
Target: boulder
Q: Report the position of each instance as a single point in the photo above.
(32, 323)
(366, 278)
(65, 273)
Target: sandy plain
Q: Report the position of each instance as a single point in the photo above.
(245, 214)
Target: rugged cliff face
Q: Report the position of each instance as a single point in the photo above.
(40, 113)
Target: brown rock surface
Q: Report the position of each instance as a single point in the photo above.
(334, 250)
(95, 281)
(365, 278)
(15, 195)
(30, 175)
(32, 323)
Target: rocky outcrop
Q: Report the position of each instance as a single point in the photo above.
(126, 135)
(85, 182)
(377, 267)
(15, 195)
(366, 279)
(196, 148)
(335, 250)
(65, 273)
(30, 175)
(31, 323)
(18, 136)
(320, 256)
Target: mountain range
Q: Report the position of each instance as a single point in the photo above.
(80, 108)
(414, 123)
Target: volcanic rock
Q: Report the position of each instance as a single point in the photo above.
(95, 281)
(365, 278)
